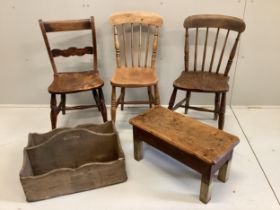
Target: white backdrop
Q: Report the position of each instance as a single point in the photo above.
(26, 71)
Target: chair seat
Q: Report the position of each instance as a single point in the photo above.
(202, 82)
(71, 82)
(134, 77)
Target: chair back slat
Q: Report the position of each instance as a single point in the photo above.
(143, 34)
(147, 45)
(219, 26)
(222, 53)
(67, 26)
(214, 50)
(232, 54)
(72, 51)
(124, 44)
(132, 44)
(205, 49)
(139, 44)
(195, 51)
(117, 47)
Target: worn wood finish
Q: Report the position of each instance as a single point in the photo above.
(138, 32)
(70, 160)
(138, 17)
(199, 146)
(73, 82)
(209, 80)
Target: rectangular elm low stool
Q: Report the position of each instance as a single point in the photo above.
(197, 145)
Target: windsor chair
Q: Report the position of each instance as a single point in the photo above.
(212, 80)
(73, 82)
(136, 43)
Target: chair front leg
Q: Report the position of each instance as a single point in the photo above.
(188, 96)
(103, 108)
(222, 112)
(217, 105)
(157, 99)
(96, 98)
(63, 102)
(122, 97)
(113, 104)
(54, 110)
(172, 98)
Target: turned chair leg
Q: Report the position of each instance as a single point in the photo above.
(122, 97)
(150, 96)
(206, 188)
(157, 99)
(54, 111)
(217, 105)
(103, 108)
(222, 112)
(172, 98)
(113, 104)
(63, 103)
(96, 98)
(188, 96)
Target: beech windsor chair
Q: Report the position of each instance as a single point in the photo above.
(200, 79)
(72, 82)
(141, 28)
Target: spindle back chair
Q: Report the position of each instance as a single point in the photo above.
(213, 79)
(72, 82)
(136, 42)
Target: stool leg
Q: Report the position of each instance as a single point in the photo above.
(206, 188)
(138, 147)
(224, 171)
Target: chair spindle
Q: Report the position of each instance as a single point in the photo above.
(147, 45)
(155, 43)
(124, 44)
(205, 49)
(186, 57)
(117, 46)
(139, 44)
(214, 50)
(222, 53)
(195, 51)
(132, 45)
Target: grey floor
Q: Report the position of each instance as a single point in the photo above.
(158, 181)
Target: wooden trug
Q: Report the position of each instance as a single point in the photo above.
(70, 160)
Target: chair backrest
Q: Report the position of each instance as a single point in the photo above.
(216, 23)
(132, 31)
(64, 26)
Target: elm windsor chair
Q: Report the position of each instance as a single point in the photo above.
(73, 82)
(201, 80)
(140, 28)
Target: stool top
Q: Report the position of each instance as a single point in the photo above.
(191, 136)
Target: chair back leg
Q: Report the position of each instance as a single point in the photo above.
(150, 96)
(63, 102)
(103, 108)
(217, 105)
(157, 99)
(122, 97)
(96, 98)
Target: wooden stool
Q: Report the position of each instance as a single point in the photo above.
(197, 145)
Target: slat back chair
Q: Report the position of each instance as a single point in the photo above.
(136, 43)
(72, 82)
(213, 79)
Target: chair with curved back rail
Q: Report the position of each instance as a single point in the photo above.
(73, 82)
(211, 80)
(136, 42)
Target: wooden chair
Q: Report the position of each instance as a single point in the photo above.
(73, 82)
(211, 80)
(135, 33)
